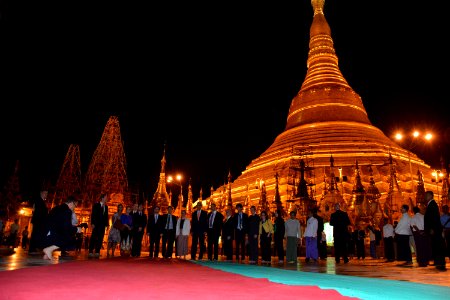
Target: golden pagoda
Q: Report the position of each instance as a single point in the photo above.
(327, 119)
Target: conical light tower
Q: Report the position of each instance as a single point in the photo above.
(69, 180)
(107, 169)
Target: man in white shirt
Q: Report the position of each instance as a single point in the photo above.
(388, 238)
(403, 232)
(311, 238)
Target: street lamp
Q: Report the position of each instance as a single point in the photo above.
(414, 138)
(170, 180)
(437, 176)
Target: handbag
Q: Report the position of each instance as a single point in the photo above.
(118, 225)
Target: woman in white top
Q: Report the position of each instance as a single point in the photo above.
(182, 234)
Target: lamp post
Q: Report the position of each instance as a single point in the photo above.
(414, 138)
(170, 180)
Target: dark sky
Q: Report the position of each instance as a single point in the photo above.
(214, 80)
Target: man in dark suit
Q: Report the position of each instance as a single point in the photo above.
(340, 222)
(137, 232)
(168, 236)
(154, 231)
(433, 229)
(253, 234)
(228, 235)
(240, 230)
(99, 222)
(215, 222)
(39, 221)
(199, 225)
(60, 228)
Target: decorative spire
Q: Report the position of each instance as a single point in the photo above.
(229, 200)
(247, 200)
(189, 200)
(358, 192)
(161, 197)
(302, 191)
(333, 183)
(325, 95)
(420, 194)
(445, 184)
(318, 6)
(394, 194)
(211, 199)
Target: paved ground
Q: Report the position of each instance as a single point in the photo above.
(375, 268)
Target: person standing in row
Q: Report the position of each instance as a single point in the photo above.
(168, 237)
(182, 235)
(402, 234)
(340, 222)
(240, 230)
(39, 223)
(114, 233)
(228, 235)
(433, 228)
(154, 231)
(215, 223)
(388, 238)
(293, 236)
(199, 225)
(279, 236)
(311, 238)
(321, 243)
(420, 239)
(265, 237)
(137, 232)
(99, 222)
(253, 233)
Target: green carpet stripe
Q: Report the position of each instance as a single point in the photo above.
(360, 287)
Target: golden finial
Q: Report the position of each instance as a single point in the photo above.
(317, 6)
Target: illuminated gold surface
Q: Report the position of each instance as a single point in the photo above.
(328, 118)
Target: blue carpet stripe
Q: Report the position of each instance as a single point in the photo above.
(359, 287)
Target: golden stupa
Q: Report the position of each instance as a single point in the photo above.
(328, 129)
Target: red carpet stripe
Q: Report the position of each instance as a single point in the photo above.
(131, 279)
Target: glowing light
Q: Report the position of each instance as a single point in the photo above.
(328, 229)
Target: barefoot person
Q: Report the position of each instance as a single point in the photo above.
(60, 228)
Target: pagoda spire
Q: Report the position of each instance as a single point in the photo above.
(358, 192)
(211, 198)
(445, 185)
(394, 199)
(373, 196)
(161, 198)
(229, 200)
(420, 193)
(190, 200)
(325, 95)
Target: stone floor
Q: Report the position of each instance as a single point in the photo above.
(375, 268)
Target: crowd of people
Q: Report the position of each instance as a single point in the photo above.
(242, 235)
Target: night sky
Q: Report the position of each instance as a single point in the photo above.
(214, 80)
